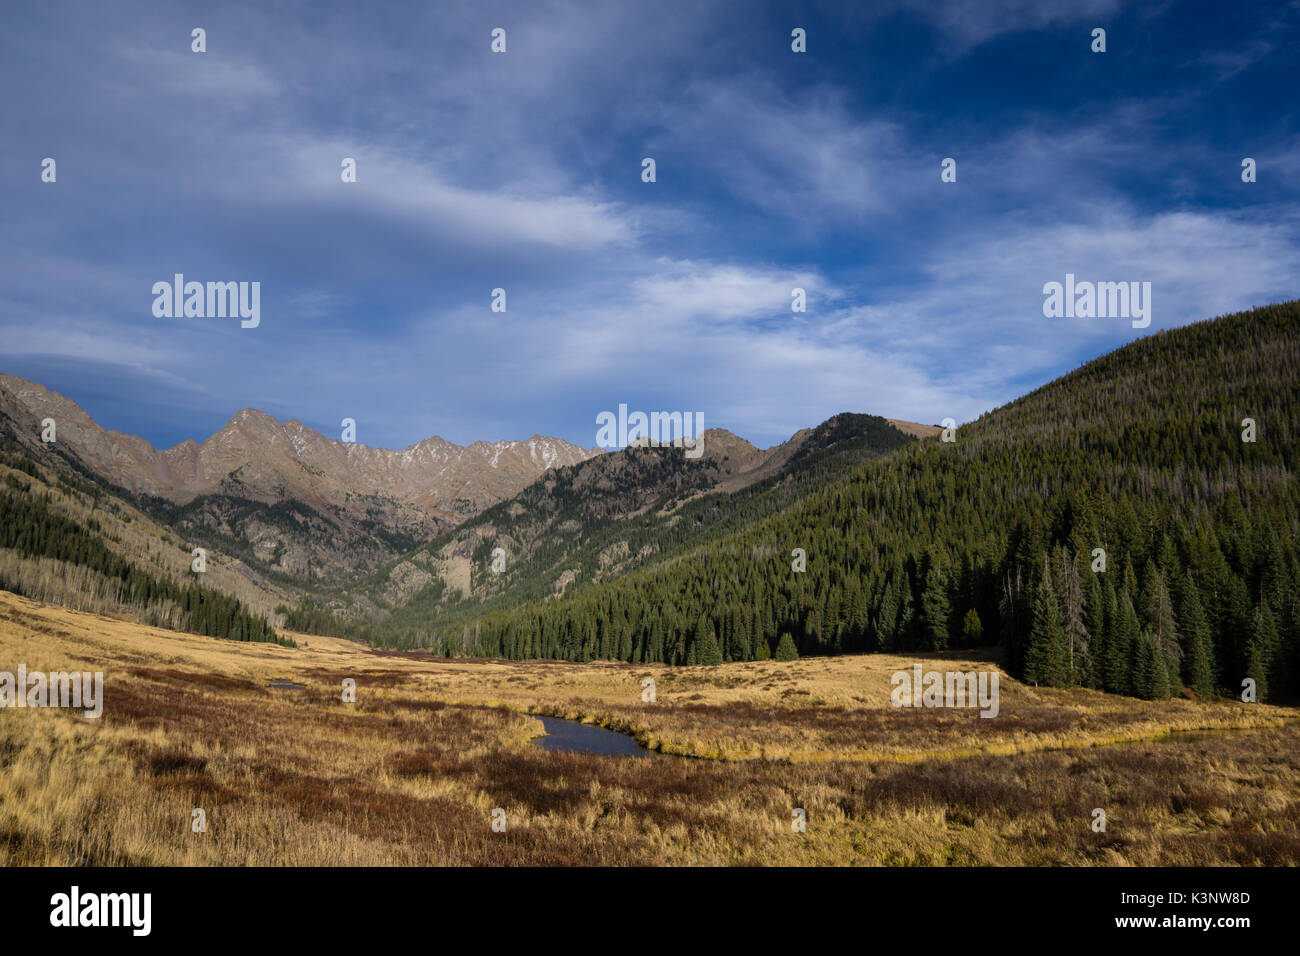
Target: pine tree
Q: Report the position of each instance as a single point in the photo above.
(706, 646)
(785, 649)
(1102, 647)
(1150, 678)
(1094, 606)
(859, 618)
(1159, 616)
(1124, 638)
(935, 609)
(1259, 650)
(1046, 661)
(1069, 595)
(905, 636)
(676, 642)
(1198, 651)
(887, 618)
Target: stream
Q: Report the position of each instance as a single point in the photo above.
(571, 736)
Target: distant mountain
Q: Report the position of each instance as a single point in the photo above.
(338, 531)
(288, 497)
(67, 537)
(1132, 526)
(272, 461)
(602, 518)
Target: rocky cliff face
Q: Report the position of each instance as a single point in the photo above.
(283, 490)
(271, 461)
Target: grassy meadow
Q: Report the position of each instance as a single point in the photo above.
(411, 772)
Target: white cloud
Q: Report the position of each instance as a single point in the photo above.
(392, 186)
(220, 73)
(968, 23)
(804, 160)
(716, 294)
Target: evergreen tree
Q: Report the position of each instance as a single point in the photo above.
(785, 649)
(1259, 650)
(1198, 651)
(1159, 618)
(859, 618)
(706, 646)
(1150, 678)
(1124, 640)
(905, 636)
(1069, 596)
(887, 618)
(935, 608)
(1046, 660)
(1104, 666)
(1095, 624)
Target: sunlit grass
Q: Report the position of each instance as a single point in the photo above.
(411, 772)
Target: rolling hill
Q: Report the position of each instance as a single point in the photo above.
(1143, 458)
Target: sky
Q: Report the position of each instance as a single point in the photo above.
(522, 170)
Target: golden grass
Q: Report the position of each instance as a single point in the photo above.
(411, 772)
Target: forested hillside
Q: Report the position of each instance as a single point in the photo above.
(50, 556)
(994, 538)
(605, 517)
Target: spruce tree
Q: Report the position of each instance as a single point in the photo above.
(1159, 617)
(1259, 648)
(935, 609)
(785, 649)
(905, 635)
(1198, 650)
(1124, 643)
(1046, 660)
(1069, 600)
(1150, 678)
(1095, 623)
(1103, 645)
(887, 618)
(706, 646)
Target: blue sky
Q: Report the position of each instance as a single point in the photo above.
(522, 171)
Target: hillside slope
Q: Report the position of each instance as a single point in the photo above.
(991, 538)
(285, 498)
(62, 541)
(605, 517)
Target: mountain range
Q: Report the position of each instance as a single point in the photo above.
(295, 512)
(1131, 526)
(1172, 458)
(359, 503)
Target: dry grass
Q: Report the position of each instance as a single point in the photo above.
(411, 772)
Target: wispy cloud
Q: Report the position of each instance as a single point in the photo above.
(522, 171)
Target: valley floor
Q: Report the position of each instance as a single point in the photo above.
(411, 772)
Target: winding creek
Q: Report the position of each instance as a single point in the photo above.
(571, 736)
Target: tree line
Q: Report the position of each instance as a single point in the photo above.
(32, 528)
(1115, 529)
